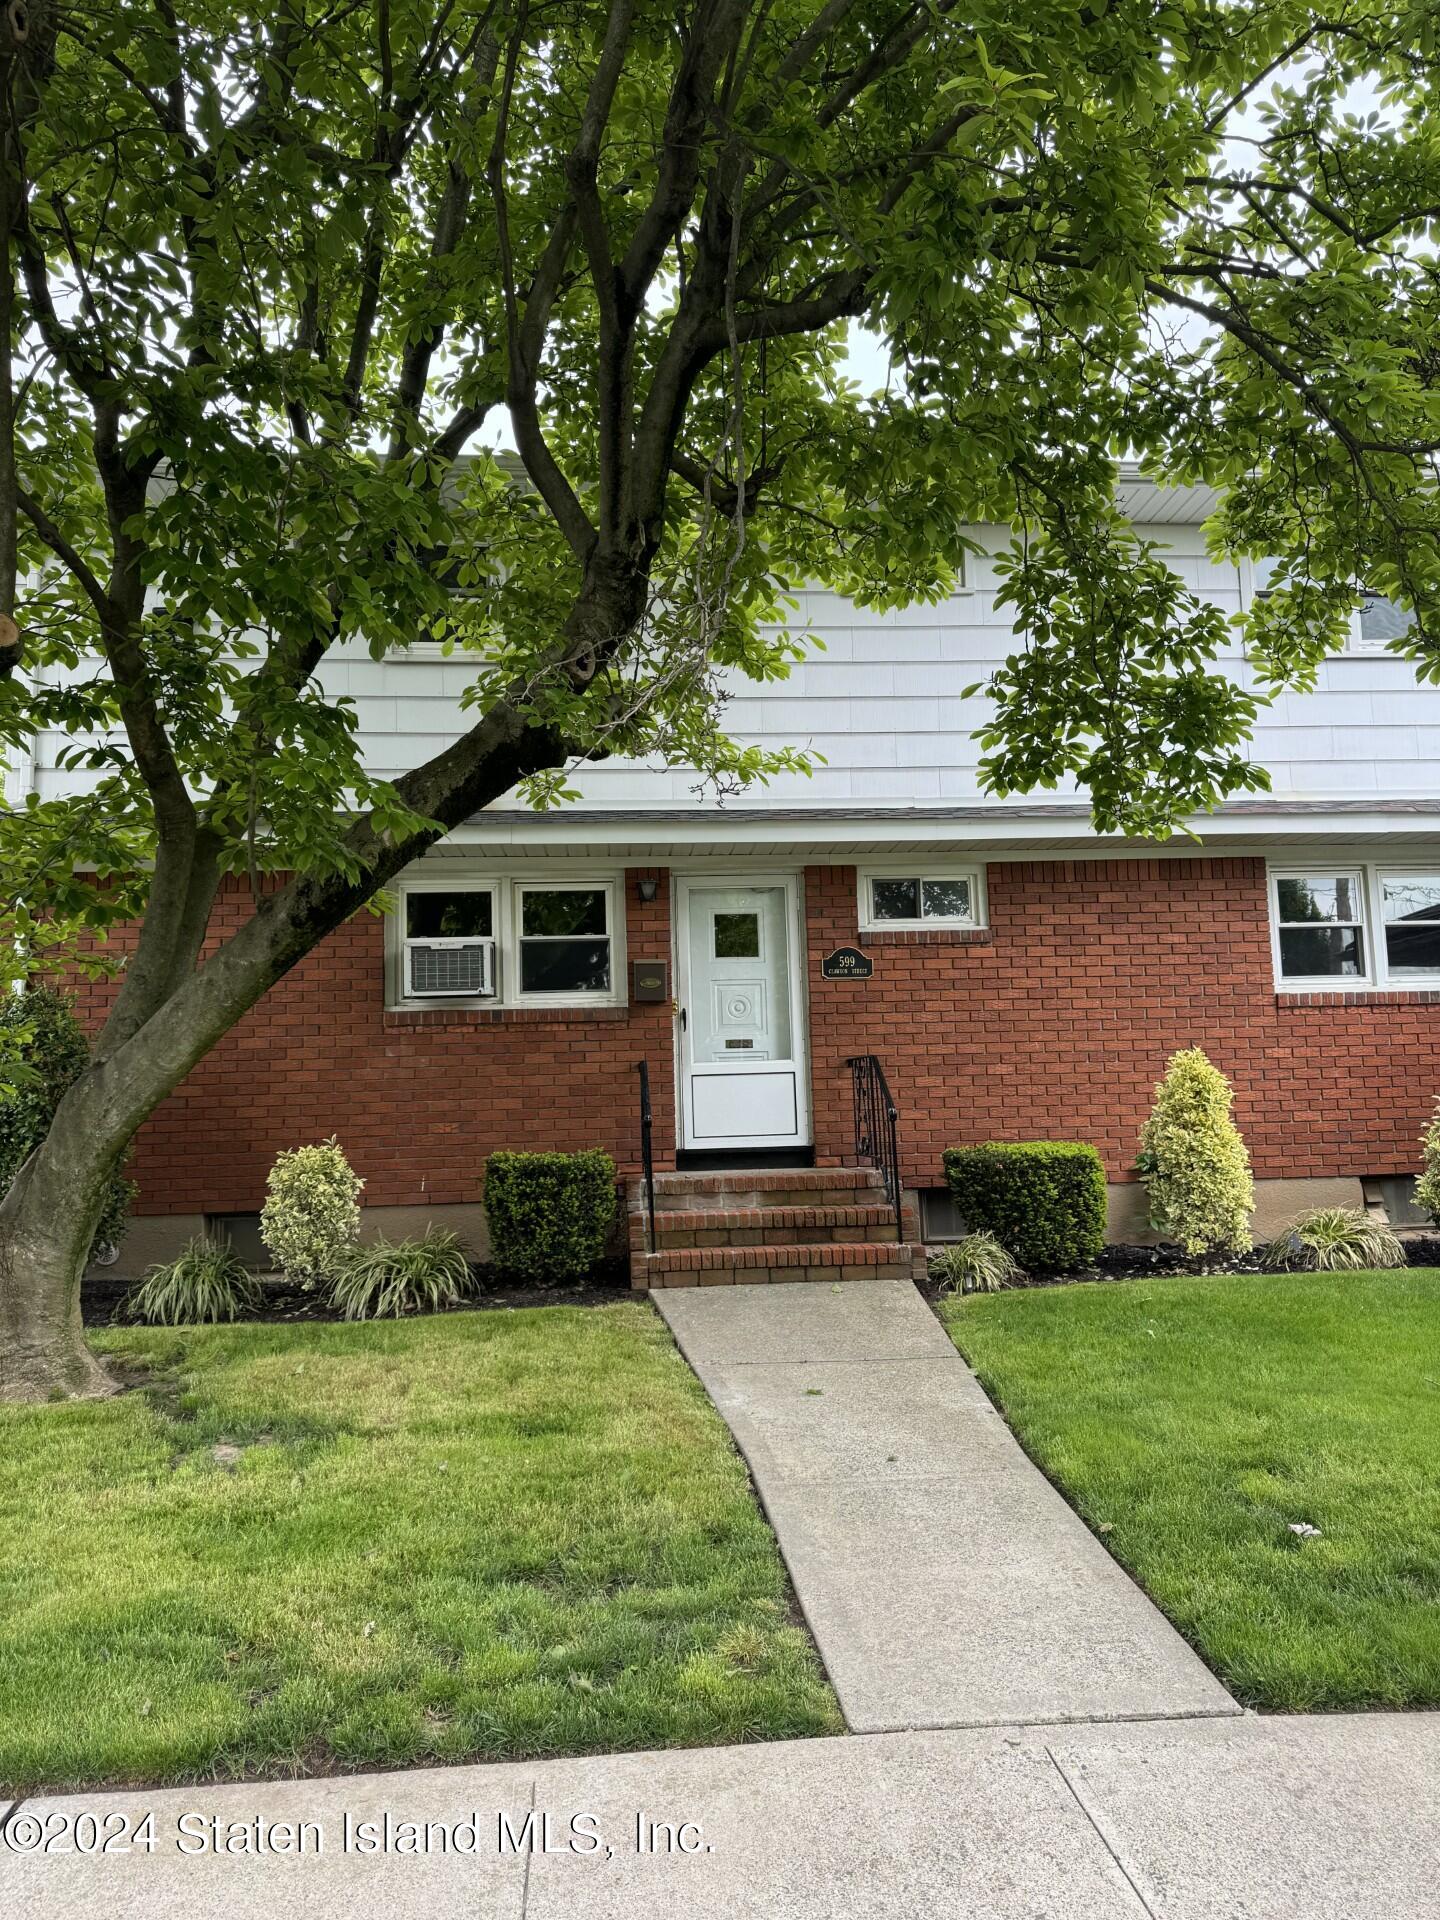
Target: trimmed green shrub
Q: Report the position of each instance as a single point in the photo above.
(49, 1051)
(386, 1280)
(311, 1217)
(1427, 1187)
(976, 1264)
(1335, 1240)
(1193, 1162)
(205, 1283)
(549, 1213)
(1044, 1200)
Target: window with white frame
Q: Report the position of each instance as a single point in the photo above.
(564, 941)
(1410, 914)
(510, 942)
(1320, 925)
(1341, 926)
(921, 897)
(449, 943)
(1374, 624)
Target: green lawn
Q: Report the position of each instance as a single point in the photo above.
(1191, 1421)
(482, 1535)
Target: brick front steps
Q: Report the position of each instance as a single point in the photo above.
(749, 1227)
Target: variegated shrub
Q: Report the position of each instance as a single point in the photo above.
(1193, 1160)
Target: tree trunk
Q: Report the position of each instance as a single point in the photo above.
(47, 1221)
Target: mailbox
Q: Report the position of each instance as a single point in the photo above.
(649, 982)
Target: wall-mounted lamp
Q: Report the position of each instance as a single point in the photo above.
(649, 886)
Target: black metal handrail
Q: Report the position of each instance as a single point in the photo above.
(877, 1128)
(647, 1152)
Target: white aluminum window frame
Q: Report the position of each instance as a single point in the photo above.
(920, 872)
(571, 997)
(1356, 645)
(1371, 876)
(505, 890)
(1407, 977)
(1323, 982)
(402, 916)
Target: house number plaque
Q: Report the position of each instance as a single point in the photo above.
(847, 963)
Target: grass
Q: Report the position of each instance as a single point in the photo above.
(488, 1535)
(1191, 1421)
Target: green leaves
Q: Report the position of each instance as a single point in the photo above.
(287, 269)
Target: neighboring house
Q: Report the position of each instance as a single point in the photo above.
(1021, 977)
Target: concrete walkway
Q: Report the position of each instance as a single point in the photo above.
(1241, 1819)
(946, 1582)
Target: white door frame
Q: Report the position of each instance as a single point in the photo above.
(702, 880)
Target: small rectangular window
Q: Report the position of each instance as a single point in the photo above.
(1380, 621)
(1410, 904)
(1320, 921)
(737, 936)
(564, 940)
(921, 900)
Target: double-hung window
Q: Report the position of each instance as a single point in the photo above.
(1410, 911)
(1338, 926)
(564, 940)
(449, 944)
(1320, 926)
(1373, 625)
(920, 899)
(507, 942)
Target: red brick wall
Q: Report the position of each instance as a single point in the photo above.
(1059, 1024)
(1055, 1024)
(417, 1099)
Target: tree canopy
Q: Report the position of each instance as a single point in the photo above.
(274, 274)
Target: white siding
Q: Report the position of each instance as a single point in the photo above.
(881, 702)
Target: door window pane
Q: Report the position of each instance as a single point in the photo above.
(737, 936)
(945, 899)
(895, 899)
(448, 916)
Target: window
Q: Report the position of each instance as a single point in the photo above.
(506, 942)
(1320, 926)
(564, 940)
(737, 936)
(1380, 621)
(463, 915)
(934, 899)
(449, 944)
(1375, 623)
(1410, 910)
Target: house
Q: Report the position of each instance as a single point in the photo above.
(1014, 975)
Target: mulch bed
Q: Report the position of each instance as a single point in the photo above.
(100, 1298)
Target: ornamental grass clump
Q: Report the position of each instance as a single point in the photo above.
(1193, 1161)
(1336, 1240)
(205, 1283)
(311, 1218)
(975, 1264)
(387, 1280)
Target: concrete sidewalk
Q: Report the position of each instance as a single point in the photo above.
(946, 1582)
(1323, 1819)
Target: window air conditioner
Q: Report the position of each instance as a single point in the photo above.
(449, 969)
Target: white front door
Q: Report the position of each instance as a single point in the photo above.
(742, 1028)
